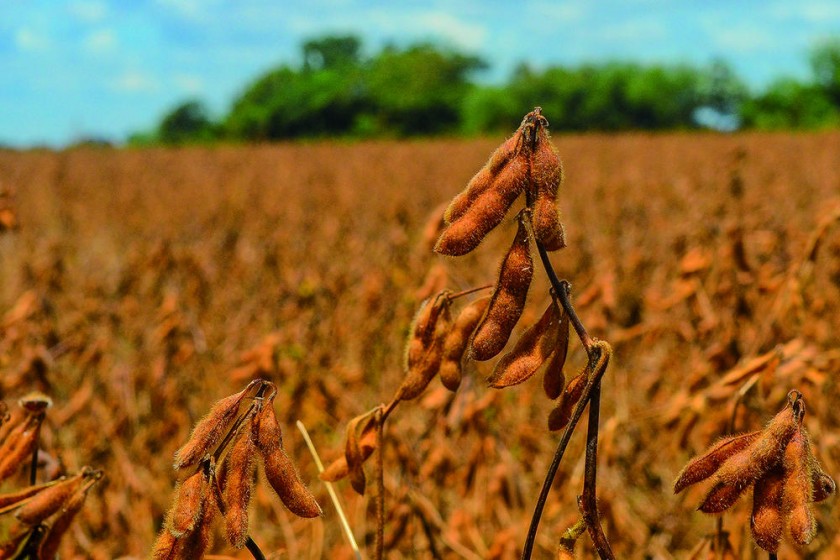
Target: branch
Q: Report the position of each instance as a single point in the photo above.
(601, 351)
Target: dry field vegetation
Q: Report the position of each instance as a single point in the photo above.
(142, 286)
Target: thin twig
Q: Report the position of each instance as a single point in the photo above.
(348, 533)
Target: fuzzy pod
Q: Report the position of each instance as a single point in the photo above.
(284, 479)
(165, 546)
(359, 429)
(702, 467)
(767, 520)
(486, 212)
(11, 498)
(798, 489)
(530, 352)
(554, 379)
(457, 340)
(745, 467)
(208, 431)
(508, 299)
(335, 471)
(195, 543)
(339, 469)
(823, 484)
(279, 469)
(425, 348)
(548, 229)
(49, 501)
(546, 177)
(18, 446)
(60, 524)
(189, 504)
(482, 181)
(562, 413)
(240, 469)
(11, 422)
(565, 553)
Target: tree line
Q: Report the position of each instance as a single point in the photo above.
(426, 89)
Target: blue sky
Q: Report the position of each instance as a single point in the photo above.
(106, 68)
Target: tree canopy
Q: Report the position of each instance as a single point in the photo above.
(427, 89)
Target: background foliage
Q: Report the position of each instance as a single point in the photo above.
(425, 89)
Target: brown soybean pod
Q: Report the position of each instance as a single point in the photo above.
(487, 211)
(189, 504)
(704, 466)
(456, 342)
(766, 522)
(424, 358)
(799, 489)
(508, 300)
(279, 469)
(530, 352)
(483, 180)
(48, 502)
(208, 431)
(240, 468)
(18, 446)
(560, 415)
(823, 484)
(554, 379)
(546, 177)
(742, 469)
(49, 546)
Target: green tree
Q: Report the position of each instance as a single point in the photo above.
(323, 99)
(788, 103)
(188, 122)
(825, 64)
(419, 90)
(331, 52)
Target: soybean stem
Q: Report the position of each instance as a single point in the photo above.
(562, 288)
(33, 467)
(588, 502)
(577, 412)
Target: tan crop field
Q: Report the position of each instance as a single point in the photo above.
(142, 286)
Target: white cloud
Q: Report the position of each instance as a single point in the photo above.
(424, 24)
(463, 34)
(100, 41)
(189, 83)
(28, 40)
(633, 30)
(191, 10)
(813, 11)
(133, 81)
(556, 13)
(742, 39)
(88, 11)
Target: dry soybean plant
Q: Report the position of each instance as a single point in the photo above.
(216, 470)
(780, 466)
(40, 514)
(525, 166)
